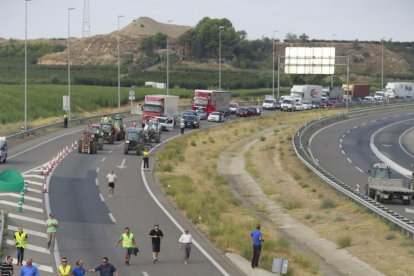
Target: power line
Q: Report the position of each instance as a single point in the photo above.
(86, 30)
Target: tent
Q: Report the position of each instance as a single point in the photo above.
(11, 181)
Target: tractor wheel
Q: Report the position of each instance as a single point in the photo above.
(157, 138)
(94, 147)
(111, 139)
(139, 150)
(100, 144)
(80, 146)
(126, 149)
(378, 198)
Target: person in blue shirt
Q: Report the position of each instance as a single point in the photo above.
(79, 270)
(257, 239)
(29, 269)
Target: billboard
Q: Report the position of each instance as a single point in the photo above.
(310, 60)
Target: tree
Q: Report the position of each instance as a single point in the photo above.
(160, 40)
(355, 44)
(147, 45)
(291, 37)
(303, 38)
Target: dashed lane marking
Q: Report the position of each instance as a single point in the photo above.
(373, 121)
(343, 152)
(19, 217)
(25, 197)
(112, 217)
(28, 231)
(348, 131)
(144, 273)
(359, 169)
(110, 151)
(97, 170)
(31, 247)
(340, 140)
(39, 266)
(340, 146)
(349, 160)
(363, 124)
(25, 207)
(103, 159)
(101, 196)
(96, 181)
(34, 182)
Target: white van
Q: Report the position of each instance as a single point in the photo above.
(3, 149)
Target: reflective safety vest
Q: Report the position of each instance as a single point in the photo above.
(20, 239)
(127, 241)
(64, 271)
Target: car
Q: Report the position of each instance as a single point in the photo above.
(254, 111)
(243, 112)
(233, 108)
(316, 104)
(191, 121)
(189, 112)
(215, 116)
(298, 106)
(202, 114)
(307, 105)
(166, 123)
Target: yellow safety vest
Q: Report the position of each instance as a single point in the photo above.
(20, 239)
(127, 241)
(65, 116)
(64, 271)
(146, 153)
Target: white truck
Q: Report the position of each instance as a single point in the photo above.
(269, 102)
(306, 92)
(399, 90)
(288, 104)
(379, 95)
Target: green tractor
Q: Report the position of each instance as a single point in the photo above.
(134, 140)
(119, 125)
(152, 131)
(109, 132)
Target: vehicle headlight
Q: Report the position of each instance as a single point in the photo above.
(127, 142)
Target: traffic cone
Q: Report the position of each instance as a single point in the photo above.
(49, 168)
(42, 172)
(44, 190)
(66, 150)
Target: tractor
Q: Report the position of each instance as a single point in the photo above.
(119, 125)
(88, 143)
(152, 131)
(109, 132)
(134, 140)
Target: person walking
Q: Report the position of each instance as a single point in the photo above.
(29, 269)
(6, 268)
(111, 176)
(185, 242)
(20, 239)
(128, 242)
(156, 235)
(146, 160)
(65, 120)
(257, 239)
(79, 270)
(182, 125)
(64, 268)
(105, 268)
(51, 228)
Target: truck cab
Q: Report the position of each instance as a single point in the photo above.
(3, 149)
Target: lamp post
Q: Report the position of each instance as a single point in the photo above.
(168, 63)
(119, 71)
(332, 45)
(25, 67)
(273, 64)
(220, 28)
(382, 63)
(69, 107)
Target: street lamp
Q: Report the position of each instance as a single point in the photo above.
(168, 63)
(382, 63)
(332, 45)
(273, 65)
(119, 71)
(25, 67)
(69, 107)
(220, 28)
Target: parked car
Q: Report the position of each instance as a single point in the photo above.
(216, 116)
(191, 121)
(298, 106)
(316, 104)
(307, 105)
(233, 108)
(202, 114)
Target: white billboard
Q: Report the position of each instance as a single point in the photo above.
(310, 60)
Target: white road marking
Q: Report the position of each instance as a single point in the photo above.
(348, 131)
(103, 159)
(144, 273)
(384, 118)
(340, 140)
(340, 146)
(397, 115)
(355, 127)
(97, 170)
(122, 166)
(363, 124)
(373, 121)
(34, 182)
(349, 160)
(110, 151)
(39, 266)
(359, 169)
(34, 190)
(343, 135)
(96, 181)
(112, 217)
(19, 217)
(407, 210)
(25, 207)
(25, 197)
(409, 113)
(28, 231)
(35, 176)
(343, 152)
(31, 247)
(101, 196)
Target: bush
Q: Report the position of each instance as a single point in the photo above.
(344, 242)
(327, 203)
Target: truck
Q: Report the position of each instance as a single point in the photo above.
(269, 102)
(399, 90)
(332, 93)
(159, 105)
(382, 187)
(306, 92)
(355, 91)
(379, 95)
(212, 100)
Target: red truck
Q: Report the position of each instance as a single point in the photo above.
(356, 91)
(159, 105)
(211, 100)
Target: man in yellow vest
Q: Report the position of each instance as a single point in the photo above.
(146, 160)
(65, 120)
(64, 268)
(128, 242)
(20, 238)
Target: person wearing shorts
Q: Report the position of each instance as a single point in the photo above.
(111, 176)
(156, 235)
(128, 242)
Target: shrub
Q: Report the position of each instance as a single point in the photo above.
(327, 203)
(344, 241)
(292, 204)
(390, 236)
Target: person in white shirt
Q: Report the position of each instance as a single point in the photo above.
(111, 176)
(185, 241)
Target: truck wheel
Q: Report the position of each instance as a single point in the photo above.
(407, 201)
(139, 150)
(5, 158)
(111, 140)
(100, 144)
(92, 149)
(80, 146)
(378, 198)
(126, 149)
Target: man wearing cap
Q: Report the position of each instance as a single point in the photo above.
(64, 268)
(185, 241)
(156, 235)
(128, 242)
(51, 228)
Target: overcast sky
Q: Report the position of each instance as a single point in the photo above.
(319, 19)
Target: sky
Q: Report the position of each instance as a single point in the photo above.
(319, 19)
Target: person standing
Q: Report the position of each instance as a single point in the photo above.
(156, 235)
(51, 228)
(64, 268)
(257, 239)
(65, 120)
(182, 125)
(128, 242)
(111, 176)
(146, 160)
(20, 239)
(6, 268)
(185, 241)
(29, 269)
(79, 270)
(105, 268)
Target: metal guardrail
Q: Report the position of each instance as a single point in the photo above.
(301, 146)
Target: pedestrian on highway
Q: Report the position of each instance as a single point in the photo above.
(146, 160)
(65, 120)
(64, 268)
(6, 268)
(182, 125)
(257, 239)
(51, 228)
(105, 268)
(128, 242)
(185, 242)
(79, 270)
(20, 239)
(111, 176)
(156, 236)
(29, 269)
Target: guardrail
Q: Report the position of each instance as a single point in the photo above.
(301, 146)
